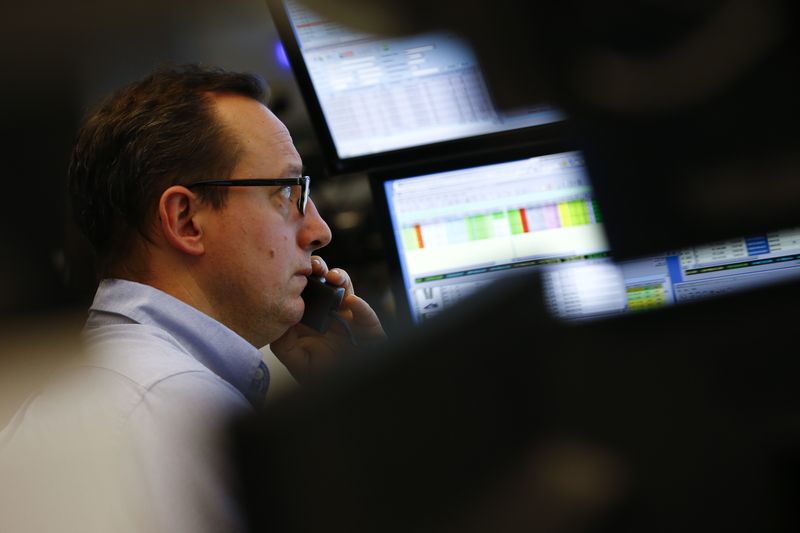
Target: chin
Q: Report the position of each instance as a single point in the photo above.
(295, 313)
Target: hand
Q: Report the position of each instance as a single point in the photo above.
(306, 352)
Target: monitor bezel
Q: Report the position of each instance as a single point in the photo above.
(392, 158)
(377, 179)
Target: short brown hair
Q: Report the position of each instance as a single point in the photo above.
(145, 137)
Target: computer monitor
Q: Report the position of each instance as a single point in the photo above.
(454, 231)
(375, 100)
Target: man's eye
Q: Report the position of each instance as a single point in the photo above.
(286, 191)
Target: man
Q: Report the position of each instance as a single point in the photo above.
(192, 195)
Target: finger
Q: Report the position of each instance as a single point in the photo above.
(361, 310)
(301, 350)
(318, 266)
(340, 278)
(364, 317)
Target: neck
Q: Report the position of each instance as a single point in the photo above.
(185, 280)
(172, 277)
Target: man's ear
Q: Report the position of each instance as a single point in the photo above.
(180, 224)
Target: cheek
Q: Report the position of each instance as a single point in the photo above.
(274, 247)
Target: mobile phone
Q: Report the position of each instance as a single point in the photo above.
(321, 300)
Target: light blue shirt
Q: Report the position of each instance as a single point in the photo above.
(167, 379)
(152, 336)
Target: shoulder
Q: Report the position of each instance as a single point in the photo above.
(152, 362)
(132, 377)
(152, 442)
(103, 399)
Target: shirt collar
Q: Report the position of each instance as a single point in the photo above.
(213, 344)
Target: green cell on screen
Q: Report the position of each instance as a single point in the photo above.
(479, 227)
(515, 221)
(410, 239)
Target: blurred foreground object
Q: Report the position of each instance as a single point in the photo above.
(500, 418)
(686, 111)
(683, 419)
(64, 470)
(32, 350)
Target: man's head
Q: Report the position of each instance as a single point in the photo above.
(147, 136)
(236, 253)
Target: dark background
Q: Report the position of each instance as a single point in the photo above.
(60, 58)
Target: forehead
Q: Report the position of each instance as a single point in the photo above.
(265, 146)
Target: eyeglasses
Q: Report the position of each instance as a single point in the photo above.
(303, 181)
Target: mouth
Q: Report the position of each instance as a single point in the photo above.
(298, 284)
(302, 277)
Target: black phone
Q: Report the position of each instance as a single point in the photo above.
(321, 300)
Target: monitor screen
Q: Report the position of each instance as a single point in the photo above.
(380, 94)
(459, 230)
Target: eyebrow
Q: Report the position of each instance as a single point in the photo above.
(292, 170)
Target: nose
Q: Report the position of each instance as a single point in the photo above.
(314, 232)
